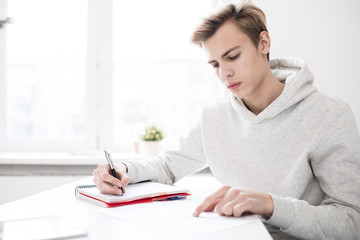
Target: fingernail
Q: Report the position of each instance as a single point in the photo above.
(119, 192)
(195, 214)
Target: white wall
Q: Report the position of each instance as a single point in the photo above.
(326, 34)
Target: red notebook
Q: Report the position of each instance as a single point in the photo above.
(134, 193)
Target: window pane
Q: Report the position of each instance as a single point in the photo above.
(160, 77)
(46, 60)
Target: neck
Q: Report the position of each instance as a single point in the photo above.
(269, 90)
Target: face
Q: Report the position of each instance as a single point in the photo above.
(239, 65)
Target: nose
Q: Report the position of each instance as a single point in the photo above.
(225, 72)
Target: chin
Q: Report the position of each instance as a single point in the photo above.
(238, 96)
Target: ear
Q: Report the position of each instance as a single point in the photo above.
(264, 42)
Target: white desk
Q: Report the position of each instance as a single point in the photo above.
(101, 225)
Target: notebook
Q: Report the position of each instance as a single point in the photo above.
(134, 193)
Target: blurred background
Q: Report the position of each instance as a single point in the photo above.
(78, 77)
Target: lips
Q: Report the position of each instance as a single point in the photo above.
(234, 85)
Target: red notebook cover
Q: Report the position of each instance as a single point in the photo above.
(142, 200)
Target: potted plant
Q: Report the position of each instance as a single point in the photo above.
(151, 140)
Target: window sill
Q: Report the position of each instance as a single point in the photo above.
(60, 158)
(55, 163)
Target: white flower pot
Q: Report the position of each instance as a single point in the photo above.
(150, 148)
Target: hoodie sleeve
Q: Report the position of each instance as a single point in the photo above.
(335, 161)
(172, 165)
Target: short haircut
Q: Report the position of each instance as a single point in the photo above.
(247, 17)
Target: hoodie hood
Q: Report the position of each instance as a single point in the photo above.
(298, 80)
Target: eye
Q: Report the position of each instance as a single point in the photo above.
(234, 57)
(215, 65)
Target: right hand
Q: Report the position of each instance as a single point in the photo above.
(108, 184)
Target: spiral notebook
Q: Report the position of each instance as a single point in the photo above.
(134, 193)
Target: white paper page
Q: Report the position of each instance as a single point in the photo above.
(196, 226)
(153, 212)
(174, 218)
(253, 231)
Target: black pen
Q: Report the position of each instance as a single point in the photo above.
(112, 167)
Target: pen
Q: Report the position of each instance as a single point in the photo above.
(112, 167)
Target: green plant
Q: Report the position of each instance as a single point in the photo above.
(152, 134)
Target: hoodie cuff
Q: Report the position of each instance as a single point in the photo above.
(283, 214)
(131, 172)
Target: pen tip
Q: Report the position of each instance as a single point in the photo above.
(105, 151)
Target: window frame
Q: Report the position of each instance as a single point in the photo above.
(3, 15)
(98, 86)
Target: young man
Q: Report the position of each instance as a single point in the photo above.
(298, 150)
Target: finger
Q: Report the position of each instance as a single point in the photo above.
(243, 207)
(211, 201)
(103, 167)
(124, 179)
(226, 209)
(110, 179)
(107, 188)
(232, 197)
(255, 203)
(212, 206)
(102, 174)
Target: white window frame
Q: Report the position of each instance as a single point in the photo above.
(98, 86)
(100, 71)
(3, 15)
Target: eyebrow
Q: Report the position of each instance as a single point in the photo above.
(225, 53)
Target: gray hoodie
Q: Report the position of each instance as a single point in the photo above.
(303, 149)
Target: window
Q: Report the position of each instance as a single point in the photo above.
(45, 74)
(93, 74)
(159, 76)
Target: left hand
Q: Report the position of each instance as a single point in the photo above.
(235, 202)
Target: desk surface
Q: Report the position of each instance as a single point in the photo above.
(107, 223)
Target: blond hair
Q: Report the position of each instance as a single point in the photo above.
(247, 17)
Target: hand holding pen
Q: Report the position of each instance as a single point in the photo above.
(111, 182)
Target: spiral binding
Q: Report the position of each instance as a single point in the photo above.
(83, 186)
